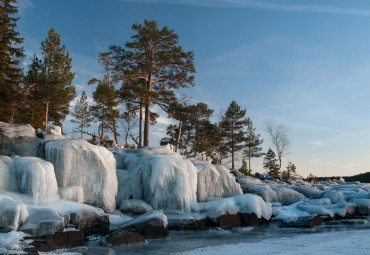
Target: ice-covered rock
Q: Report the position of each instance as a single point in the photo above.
(247, 180)
(79, 163)
(334, 196)
(309, 192)
(36, 177)
(247, 203)
(340, 209)
(158, 176)
(215, 181)
(17, 140)
(73, 193)
(135, 206)
(286, 196)
(12, 214)
(12, 242)
(42, 222)
(7, 175)
(362, 205)
(124, 187)
(264, 191)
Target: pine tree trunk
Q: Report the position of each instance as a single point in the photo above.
(141, 123)
(147, 114)
(249, 159)
(177, 145)
(46, 115)
(102, 127)
(115, 132)
(232, 146)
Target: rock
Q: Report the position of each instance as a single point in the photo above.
(42, 222)
(264, 191)
(151, 224)
(79, 163)
(226, 220)
(362, 206)
(36, 177)
(18, 140)
(186, 221)
(124, 237)
(65, 238)
(286, 196)
(247, 180)
(74, 193)
(251, 219)
(12, 214)
(303, 222)
(311, 193)
(135, 207)
(90, 222)
(215, 181)
(334, 196)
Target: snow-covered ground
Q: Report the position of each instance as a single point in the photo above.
(343, 242)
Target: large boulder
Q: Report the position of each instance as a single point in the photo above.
(309, 192)
(135, 207)
(215, 181)
(334, 196)
(79, 163)
(7, 175)
(36, 178)
(18, 140)
(12, 214)
(286, 196)
(158, 176)
(74, 193)
(124, 237)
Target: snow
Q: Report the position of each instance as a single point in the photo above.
(118, 219)
(11, 242)
(79, 163)
(158, 176)
(14, 130)
(12, 213)
(289, 213)
(342, 242)
(308, 192)
(36, 177)
(264, 191)
(247, 180)
(72, 207)
(247, 203)
(73, 193)
(324, 209)
(286, 196)
(215, 181)
(135, 206)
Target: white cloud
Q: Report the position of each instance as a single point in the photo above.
(319, 143)
(24, 5)
(258, 4)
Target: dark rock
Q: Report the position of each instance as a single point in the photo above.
(151, 224)
(100, 226)
(187, 224)
(82, 219)
(124, 237)
(135, 207)
(63, 238)
(303, 222)
(224, 221)
(251, 219)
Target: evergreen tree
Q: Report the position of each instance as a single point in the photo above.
(154, 57)
(253, 143)
(270, 163)
(104, 109)
(52, 78)
(11, 73)
(290, 171)
(82, 115)
(233, 124)
(244, 168)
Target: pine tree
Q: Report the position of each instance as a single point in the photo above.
(290, 171)
(233, 124)
(253, 143)
(11, 74)
(52, 78)
(270, 163)
(155, 58)
(82, 115)
(104, 110)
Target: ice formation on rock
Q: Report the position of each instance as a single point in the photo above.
(215, 181)
(7, 176)
(158, 176)
(309, 192)
(12, 213)
(17, 140)
(73, 193)
(79, 163)
(134, 206)
(334, 196)
(36, 177)
(247, 203)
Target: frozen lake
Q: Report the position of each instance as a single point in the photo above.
(328, 239)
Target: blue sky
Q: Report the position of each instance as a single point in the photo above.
(305, 64)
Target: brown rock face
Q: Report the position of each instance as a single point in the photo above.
(125, 236)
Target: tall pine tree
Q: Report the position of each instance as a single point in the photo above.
(154, 57)
(270, 163)
(82, 115)
(253, 143)
(233, 123)
(51, 78)
(11, 73)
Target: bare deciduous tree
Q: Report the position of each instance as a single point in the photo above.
(279, 138)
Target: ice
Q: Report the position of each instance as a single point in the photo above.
(286, 196)
(79, 163)
(116, 220)
(215, 181)
(158, 176)
(17, 140)
(334, 196)
(264, 191)
(362, 205)
(73, 193)
(56, 130)
(134, 206)
(308, 192)
(247, 180)
(323, 209)
(247, 203)
(11, 242)
(124, 189)
(7, 177)
(62, 207)
(289, 213)
(36, 177)
(12, 213)
(147, 216)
